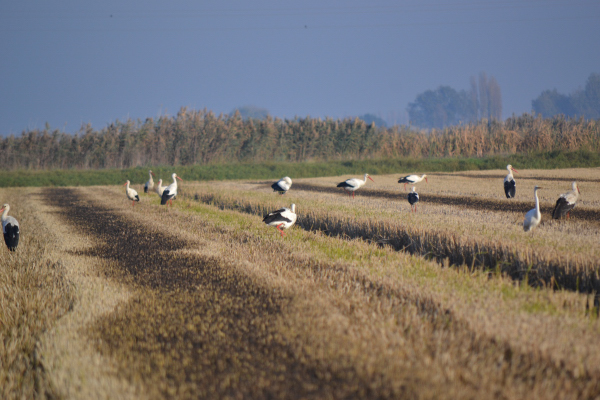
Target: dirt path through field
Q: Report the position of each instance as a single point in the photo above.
(211, 311)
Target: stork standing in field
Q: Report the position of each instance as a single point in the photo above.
(10, 229)
(351, 185)
(282, 185)
(150, 183)
(533, 216)
(282, 218)
(131, 194)
(412, 179)
(510, 186)
(160, 188)
(170, 191)
(566, 202)
(413, 199)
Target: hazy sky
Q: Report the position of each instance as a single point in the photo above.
(74, 62)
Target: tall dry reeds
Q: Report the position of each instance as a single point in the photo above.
(201, 137)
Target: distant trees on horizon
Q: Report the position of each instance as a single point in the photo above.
(581, 103)
(445, 106)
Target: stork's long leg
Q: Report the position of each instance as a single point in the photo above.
(280, 230)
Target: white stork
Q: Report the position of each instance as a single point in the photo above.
(412, 179)
(131, 194)
(533, 216)
(282, 218)
(282, 185)
(170, 191)
(160, 188)
(351, 185)
(10, 229)
(413, 199)
(510, 186)
(566, 202)
(150, 183)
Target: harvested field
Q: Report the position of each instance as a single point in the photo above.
(217, 305)
(481, 228)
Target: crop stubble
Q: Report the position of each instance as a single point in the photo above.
(205, 325)
(477, 230)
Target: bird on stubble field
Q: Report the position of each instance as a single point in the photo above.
(566, 202)
(510, 186)
(170, 191)
(351, 185)
(150, 183)
(10, 229)
(413, 199)
(131, 193)
(282, 218)
(282, 185)
(160, 188)
(533, 216)
(412, 179)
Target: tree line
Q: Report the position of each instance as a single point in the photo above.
(202, 137)
(582, 102)
(446, 106)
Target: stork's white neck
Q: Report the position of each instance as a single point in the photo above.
(537, 202)
(5, 212)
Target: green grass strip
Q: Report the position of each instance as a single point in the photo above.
(275, 170)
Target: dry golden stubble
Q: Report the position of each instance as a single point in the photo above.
(34, 294)
(563, 254)
(316, 351)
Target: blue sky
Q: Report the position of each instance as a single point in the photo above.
(73, 62)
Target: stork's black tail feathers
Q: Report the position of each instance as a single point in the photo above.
(11, 236)
(510, 189)
(562, 208)
(166, 196)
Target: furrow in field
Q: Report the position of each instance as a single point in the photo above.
(476, 203)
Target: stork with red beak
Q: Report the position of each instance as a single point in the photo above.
(282, 218)
(566, 202)
(412, 179)
(352, 185)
